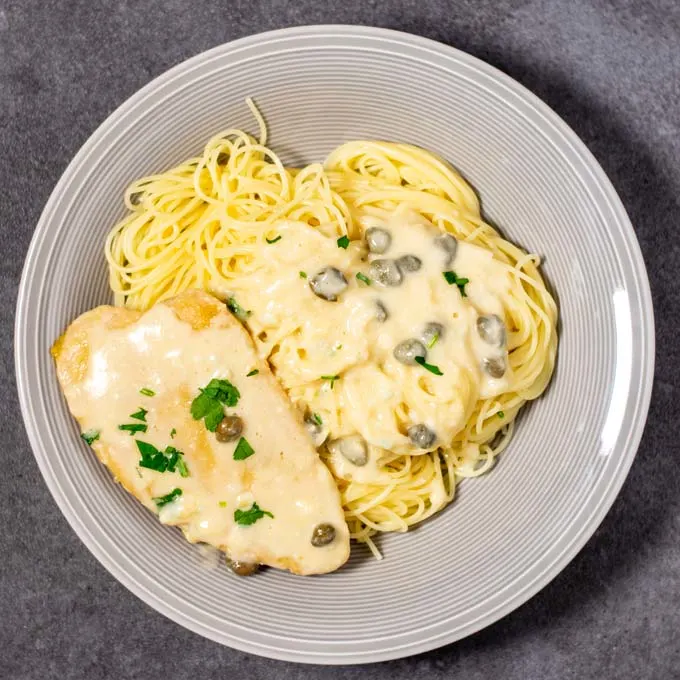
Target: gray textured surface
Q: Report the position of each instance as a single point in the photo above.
(611, 69)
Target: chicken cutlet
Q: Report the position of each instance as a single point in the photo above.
(177, 404)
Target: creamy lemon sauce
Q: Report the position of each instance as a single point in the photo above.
(244, 225)
(284, 476)
(309, 340)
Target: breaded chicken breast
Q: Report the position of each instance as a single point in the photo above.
(177, 404)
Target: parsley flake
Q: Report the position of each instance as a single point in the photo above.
(91, 436)
(432, 342)
(274, 240)
(147, 392)
(237, 310)
(173, 432)
(213, 419)
(139, 415)
(243, 449)
(132, 428)
(255, 371)
(222, 390)
(303, 275)
(501, 414)
(247, 517)
(168, 498)
(208, 404)
(428, 367)
(161, 461)
(332, 378)
(363, 278)
(317, 419)
(223, 504)
(343, 242)
(181, 466)
(452, 279)
(152, 458)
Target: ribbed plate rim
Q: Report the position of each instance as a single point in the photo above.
(640, 394)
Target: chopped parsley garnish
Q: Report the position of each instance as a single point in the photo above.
(428, 367)
(255, 371)
(332, 378)
(237, 310)
(182, 467)
(303, 275)
(223, 390)
(452, 279)
(139, 415)
(364, 278)
(432, 342)
(152, 458)
(343, 242)
(213, 419)
(223, 504)
(247, 517)
(243, 449)
(161, 461)
(179, 460)
(208, 404)
(168, 498)
(274, 240)
(132, 428)
(317, 419)
(173, 432)
(501, 414)
(90, 436)
(147, 392)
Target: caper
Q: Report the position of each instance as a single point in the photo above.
(315, 429)
(230, 428)
(385, 272)
(432, 332)
(242, 568)
(491, 329)
(449, 245)
(409, 263)
(328, 283)
(381, 313)
(378, 240)
(494, 366)
(353, 448)
(323, 534)
(421, 436)
(407, 351)
(136, 197)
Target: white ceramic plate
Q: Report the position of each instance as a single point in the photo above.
(509, 532)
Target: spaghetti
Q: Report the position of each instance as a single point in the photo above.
(236, 222)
